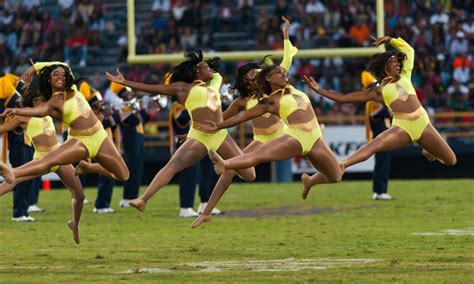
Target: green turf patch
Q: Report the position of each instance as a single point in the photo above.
(267, 235)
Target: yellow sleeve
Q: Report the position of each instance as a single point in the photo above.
(216, 80)
(404, 47)
(288, 52)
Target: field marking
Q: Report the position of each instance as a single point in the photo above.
(452, 232)
(295, 210)
(272, 265)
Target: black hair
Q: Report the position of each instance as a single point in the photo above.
(377, 63)
(240, 85)
(186, 70)
(45, 80)
(214, 63)
(31, 92)
(262, 83)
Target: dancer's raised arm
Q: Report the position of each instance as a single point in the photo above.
(354, 97)
(289, 51)
(177, 88)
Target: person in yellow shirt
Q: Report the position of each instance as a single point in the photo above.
(41, 132)
(411, 123)
(196, 86)
(87, 137)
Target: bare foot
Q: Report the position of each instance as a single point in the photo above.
(218, 162)
(138, 203)
(80, 168)
(428, 155)
(75, 231)
(6, 172)
(305, 178)
(201, 219)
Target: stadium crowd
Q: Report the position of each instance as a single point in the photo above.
(442, 33)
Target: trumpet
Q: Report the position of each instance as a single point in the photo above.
(137, 104)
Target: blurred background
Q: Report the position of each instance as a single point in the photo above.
(91, 36)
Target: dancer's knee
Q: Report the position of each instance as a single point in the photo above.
(123, 175)
(79, 196)
(451, 161)
(248, 174)
(334, 176)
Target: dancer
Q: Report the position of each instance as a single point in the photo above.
(301, 138)
(411, 123)
(196, 86)
(265, 128)
(42, 133)
(86, 139)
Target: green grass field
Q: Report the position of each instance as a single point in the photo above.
(351, 239)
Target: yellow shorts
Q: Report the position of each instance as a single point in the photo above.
(91, 142)
(212, 141)
(413, 123)
(264, 138)
(40, 154)
(305, 138)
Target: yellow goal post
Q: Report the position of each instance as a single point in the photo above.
(134, 58)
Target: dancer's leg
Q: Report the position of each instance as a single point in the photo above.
(434, 143)
(188, 154)
(221, 187)
(72, 182)
(325, 162)
(391, 139)
(281, 148)
(67, 153)
(7, 187)
(230, 149)
(109, 163)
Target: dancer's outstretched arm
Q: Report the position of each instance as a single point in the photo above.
(10, 124)
(42, 110)
(254, 112)
(354, 97)
(235, 107)
(172, 89)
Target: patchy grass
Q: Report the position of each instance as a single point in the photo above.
(337, 234)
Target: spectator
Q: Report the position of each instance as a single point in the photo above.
(30, 33)
(459, 44)
(360, 31)
(77, 40)
(282, 9)
(161, 5)
(462, 65)
(65, 4)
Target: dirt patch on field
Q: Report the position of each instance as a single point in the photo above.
(296, 210)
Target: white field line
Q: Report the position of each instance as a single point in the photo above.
(272, 265)
(452, 232)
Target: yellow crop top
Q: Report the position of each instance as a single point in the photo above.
(75, 107)
(252, 102)
(40, 125)
(291, 101)
(203, 96)
(403, 88)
